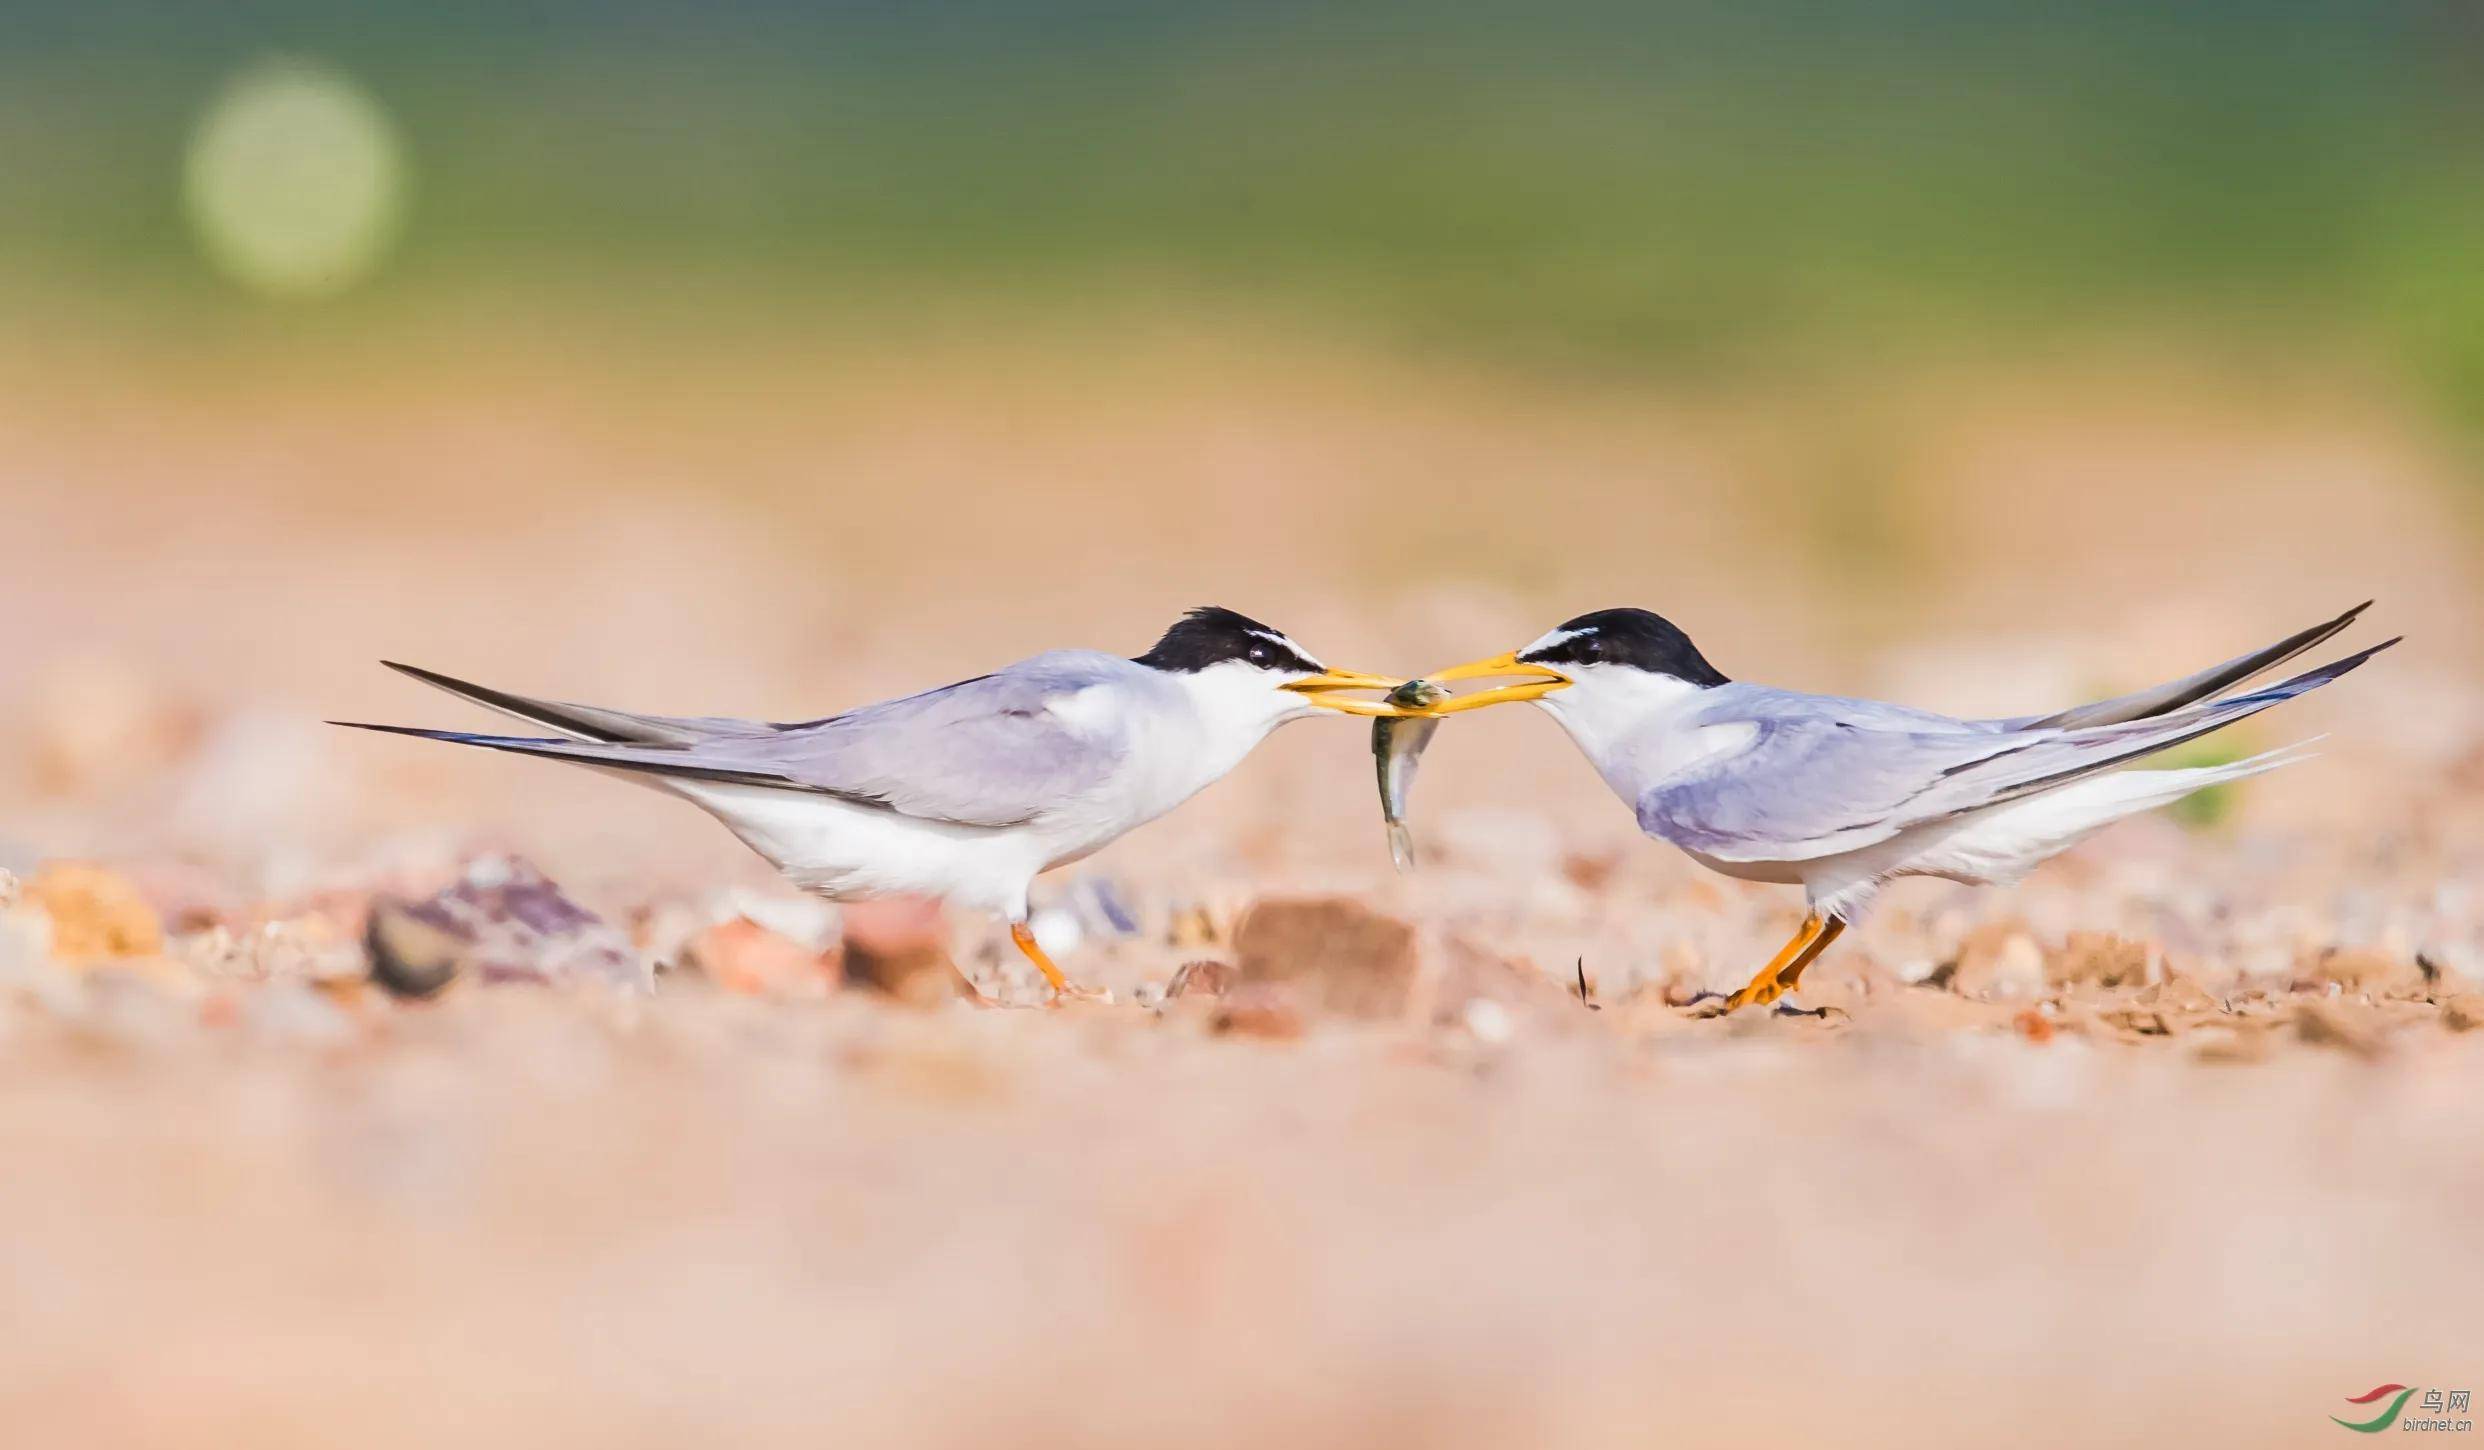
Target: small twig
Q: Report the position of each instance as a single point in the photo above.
(1586, 993)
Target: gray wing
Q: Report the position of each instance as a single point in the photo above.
(984, 752)
(1817, 776)
(1822, 776)
(989, 751)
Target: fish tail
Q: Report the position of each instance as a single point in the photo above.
(1401, 846)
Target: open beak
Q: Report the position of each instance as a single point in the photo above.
(1320, 690)
(1540, 681)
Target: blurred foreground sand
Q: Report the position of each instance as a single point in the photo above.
(526, 1221)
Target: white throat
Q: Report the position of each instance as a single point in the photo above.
(1631, 723)
(1237, 705)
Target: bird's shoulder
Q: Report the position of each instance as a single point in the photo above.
(1028, 690)
(1801, 712)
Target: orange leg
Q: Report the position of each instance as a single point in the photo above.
(1786, 969)
(1830, 931)
(1024, 936)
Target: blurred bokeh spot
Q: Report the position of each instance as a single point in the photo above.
(295, 181)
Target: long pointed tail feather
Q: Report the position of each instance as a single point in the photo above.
(2118, 745)
(583, 722)
(2192, 689)
(579, 722)
(664, 760)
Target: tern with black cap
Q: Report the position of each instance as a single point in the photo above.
(1841, 795)
(969, 791)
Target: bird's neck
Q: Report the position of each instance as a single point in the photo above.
(1231, 711)
(1622, 719)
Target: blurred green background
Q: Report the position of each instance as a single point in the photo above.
(1690, 188)
(761, 358)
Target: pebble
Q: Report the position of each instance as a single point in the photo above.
(2099, 959)
(1206, 977)
(742, 956)
(1998, 960)
(502, 922)
(96, 914)
(1340, 954)
(412, 954)
(900, 946)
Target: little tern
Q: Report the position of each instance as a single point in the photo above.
(1841, 795)
(970, 791)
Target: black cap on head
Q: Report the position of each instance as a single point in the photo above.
(1210, 635)
(1634, 638)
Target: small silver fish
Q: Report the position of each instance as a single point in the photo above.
(1396, 749)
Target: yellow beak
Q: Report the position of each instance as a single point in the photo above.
(1319, 690)
(1540, 681)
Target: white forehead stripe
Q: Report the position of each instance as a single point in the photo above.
(1552, 639)
(1274, 638)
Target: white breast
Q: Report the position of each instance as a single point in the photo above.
(846, 851)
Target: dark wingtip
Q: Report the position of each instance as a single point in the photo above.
(416, 731)
(2339, 667)
(428, 677)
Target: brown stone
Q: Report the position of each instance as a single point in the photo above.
(2099, 959)
(740, 955)
(2464, 1012)
(901, 946)
(1590, 873)
(96, 914)
(1342, 955)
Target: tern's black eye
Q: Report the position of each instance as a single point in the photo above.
(1205, 638)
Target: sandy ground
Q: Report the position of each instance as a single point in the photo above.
(2176, 1142)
